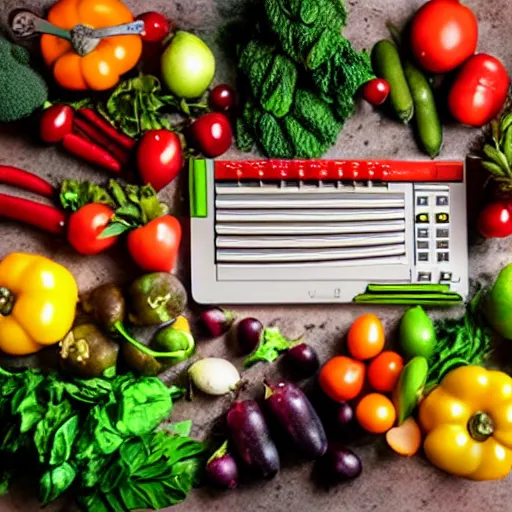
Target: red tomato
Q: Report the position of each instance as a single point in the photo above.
(156, 26)
(384, 371)
(365, 337)
(56, 121)
(444, 33)
(495, 220)
(212, 134)
(342, 378)
(222, 98)
(479, 90)
(159, 158)
(376, 91)
(154, 247)
(86, 224)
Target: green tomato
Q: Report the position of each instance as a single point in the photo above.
(417, 334)
(188, 65)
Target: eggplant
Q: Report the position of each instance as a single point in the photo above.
(251, 436)
(292, 410)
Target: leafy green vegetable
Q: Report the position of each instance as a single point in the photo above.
(272, 344)
(138, 105)
(97, 439)
(298, 78)
(463, 341)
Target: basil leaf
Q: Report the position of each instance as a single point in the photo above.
(112, 478)
(182, 428)
(271, 345)
(130, 500)
(134, 454)
(92, 503)
(31, 412)
(107, 437)
(114, 229)
(55, 416)
(55, 481)
(63, 441)
(88, 391)
(144, 405)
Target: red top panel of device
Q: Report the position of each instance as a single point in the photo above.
(353, 170)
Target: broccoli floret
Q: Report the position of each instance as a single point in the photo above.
(22, 90)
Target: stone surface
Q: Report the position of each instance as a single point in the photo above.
(388, 482)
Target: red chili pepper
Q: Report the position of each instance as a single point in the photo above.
(122, 139)
(40, 215)
(90, 152)
(102, 140)
(26, 181)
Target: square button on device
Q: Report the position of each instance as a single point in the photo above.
(442, 218)
(422, 232)
(422, 245)
(422, 218)
(443, 256)
(442, 200)
(422, 201)
(442, 233)
(425, 277)
(423, 256)
(442, 244)
(446, 276)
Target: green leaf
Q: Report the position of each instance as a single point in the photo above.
(150, 205)
(117, 193)
(143, 406)
(114, 229)
(272, 344)
(176, 392)
(128, 210)
(55, 482)
(63, 441)
(134, 455)
(108, 438)
(181, 428)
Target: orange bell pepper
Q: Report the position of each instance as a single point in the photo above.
(102, 68)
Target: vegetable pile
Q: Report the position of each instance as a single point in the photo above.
(299, 77)
(97, 439)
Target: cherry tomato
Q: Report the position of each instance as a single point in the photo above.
(376, 91)
(495, 220)
(384, 371)
(342, 378)
(376, 413)
(155, 246)
(156, 26)
(86, 224)
(56, 121)
(365, 337)
(479, 90)
(159, 158)
(212, 134)
(222, 98)
(444, 33)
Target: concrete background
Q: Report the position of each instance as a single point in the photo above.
(388, 482)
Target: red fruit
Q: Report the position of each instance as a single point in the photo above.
(212, 134)
(86, 224)
(479, 90)
(376, 91)
(155, 246)
(159, 158)
(55, 123)
(156, 26)
(222, 98)
(444, 33)
(495, 220)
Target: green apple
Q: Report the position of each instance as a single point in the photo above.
(417, 334)
(497, 303)
(188, 65)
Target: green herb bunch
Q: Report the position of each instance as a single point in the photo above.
(299, 77)
(96, 439)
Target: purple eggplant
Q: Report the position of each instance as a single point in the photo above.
(248, 334)
(216, 321)
(301, 361)
(293, 411)
(251, 436)
(221, 469)
(341, 463)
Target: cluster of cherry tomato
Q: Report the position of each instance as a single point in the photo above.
(343, 378)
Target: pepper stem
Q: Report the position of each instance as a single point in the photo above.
(6, 301)
(480, 426)
(119, 327)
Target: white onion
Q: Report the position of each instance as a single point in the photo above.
(214, 376)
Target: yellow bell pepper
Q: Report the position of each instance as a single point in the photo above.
(467, 420)
(38, 299)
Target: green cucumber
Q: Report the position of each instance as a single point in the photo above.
(428, 125)
(386, 64)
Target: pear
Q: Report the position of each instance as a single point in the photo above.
(497, 303)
